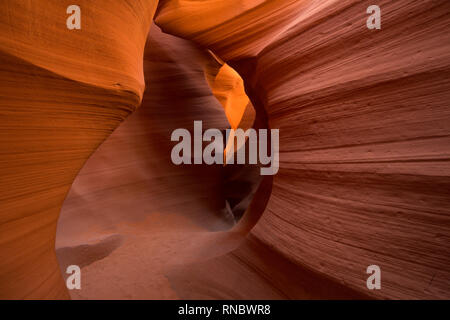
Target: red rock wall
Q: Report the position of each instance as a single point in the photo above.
(363, 118)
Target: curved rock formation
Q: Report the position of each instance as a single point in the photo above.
(363, 137)
(130, 210)
(364, 165)
(63, 92)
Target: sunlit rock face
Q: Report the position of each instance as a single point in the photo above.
(364, 173)
(232, 29)
(62, 93)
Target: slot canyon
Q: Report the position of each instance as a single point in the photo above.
(86, 176)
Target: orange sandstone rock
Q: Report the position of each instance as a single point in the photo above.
(62, 93)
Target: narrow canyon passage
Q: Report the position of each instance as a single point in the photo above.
(85, 124)
(130, 210)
